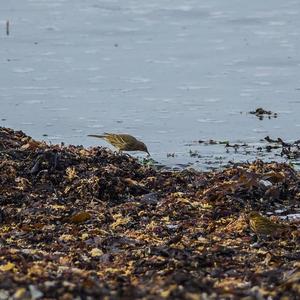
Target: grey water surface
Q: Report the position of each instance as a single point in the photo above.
(170, 72)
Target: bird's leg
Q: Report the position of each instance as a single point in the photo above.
(121, 153)
(259, 242)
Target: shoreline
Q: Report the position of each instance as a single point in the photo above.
(77, 222)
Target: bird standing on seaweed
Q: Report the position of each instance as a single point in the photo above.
(263, 226)
(123, 142)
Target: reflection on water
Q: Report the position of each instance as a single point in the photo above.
(169, 73)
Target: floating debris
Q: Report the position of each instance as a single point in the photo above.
(171, 154)
(262, 113)
(288, 150)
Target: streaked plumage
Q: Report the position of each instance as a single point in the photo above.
(262, 226)
(123, 142)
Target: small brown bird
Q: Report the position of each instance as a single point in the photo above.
(262, 226)
(123, 142)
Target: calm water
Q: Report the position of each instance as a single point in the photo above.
(171, 72)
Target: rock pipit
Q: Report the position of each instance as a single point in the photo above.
(123, 142)
(263, 226)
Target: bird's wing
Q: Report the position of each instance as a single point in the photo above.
(120, 139)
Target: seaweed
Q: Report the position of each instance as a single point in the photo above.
(79, 223)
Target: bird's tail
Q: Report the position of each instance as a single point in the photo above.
(97, 136)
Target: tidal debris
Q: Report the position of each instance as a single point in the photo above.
(290, 150)
(79, 223)
(262, 113)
